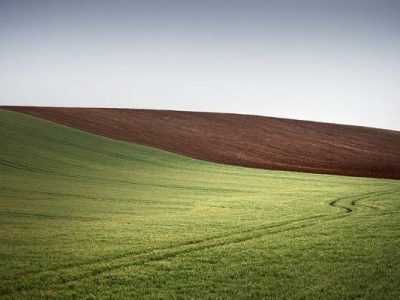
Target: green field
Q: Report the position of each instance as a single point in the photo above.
(89, 217)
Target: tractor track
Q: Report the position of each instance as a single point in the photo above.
(108, 264)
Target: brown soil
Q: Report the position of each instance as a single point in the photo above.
(252, 141)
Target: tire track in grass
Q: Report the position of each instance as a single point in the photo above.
(21, 167)
(357, 198)
(187, 243)
(22, 214)
(197, 188)
(102, 265)
(155, 254)
(357, 201)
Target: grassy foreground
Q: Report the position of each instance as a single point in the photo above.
(88, 217)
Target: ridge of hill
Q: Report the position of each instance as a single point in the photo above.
(245, 140)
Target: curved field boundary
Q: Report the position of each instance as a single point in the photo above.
(252, 141)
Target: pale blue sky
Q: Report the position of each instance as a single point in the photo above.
(332, 61)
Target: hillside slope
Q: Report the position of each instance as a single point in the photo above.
(252, 141)
(87, 217)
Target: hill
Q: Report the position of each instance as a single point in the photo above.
(88, 217)
(252, 141)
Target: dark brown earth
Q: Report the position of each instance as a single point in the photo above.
(252, 141)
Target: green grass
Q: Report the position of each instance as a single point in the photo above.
(89, 217)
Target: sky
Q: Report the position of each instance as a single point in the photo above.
(331, 61)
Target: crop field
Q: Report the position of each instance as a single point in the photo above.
(84, 216)
(243, 140)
